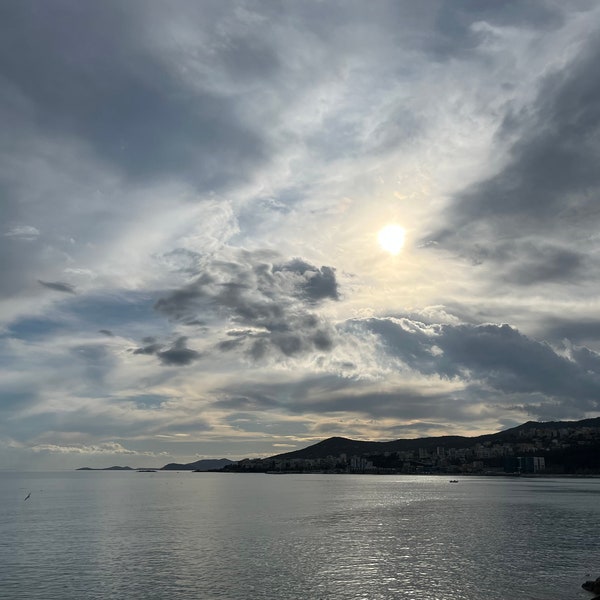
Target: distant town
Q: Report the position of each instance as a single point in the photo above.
(547, 448)
(532, 448)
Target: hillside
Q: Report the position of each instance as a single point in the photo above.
(335, 446)
(199, 465)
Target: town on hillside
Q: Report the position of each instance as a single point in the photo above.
(555, 448)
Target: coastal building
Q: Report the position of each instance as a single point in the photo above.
(524, 464)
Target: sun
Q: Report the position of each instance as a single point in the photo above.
(391, 238)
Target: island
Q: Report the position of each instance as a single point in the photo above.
(533, 448)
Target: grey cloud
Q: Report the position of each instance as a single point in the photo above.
(184, 303)
(106, 332)
(58, 286)
(330, 428)
(98, 101)
(316, 283)
(15, 398)
(250, 402)
(148, 349)
(405, 404)
(454, 19)
(547, 190)
(23, 232)
(586, 359)
(270, 302)
(545, 263)
(497, 356)
(292, 396)
(97, 362)
(579, 331)
(227, 345)
(329, 395)
(116, 94)
(95, 423)
(183, 260)
(92, 353)
(421, 428)
(527, 263)
(500, 369)
(139, 106)
(246, 421)
(178, 354)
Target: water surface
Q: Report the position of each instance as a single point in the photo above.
(128, 535)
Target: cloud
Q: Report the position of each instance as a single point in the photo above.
(178, 354)
(523, 220)
(545, 263)
(135, 112)
(23, 232)
(315, 283)
(268, 303)
(495, 356)
(436, 373)
(97, 362)
(95, 449)
(58, 286)
(210, 180)
(148, 349)
(576, 329)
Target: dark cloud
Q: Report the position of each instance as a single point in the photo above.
(545, 264)
(120, 97)
(497, 356)
(148, 349)
(500, 370)
(103, 88)
(315, 283)
(454, 20)
(178, 354)
(330, 395)
(106, 332)
(579, 331)
(58, 286)
(524, 220)
(271, 302)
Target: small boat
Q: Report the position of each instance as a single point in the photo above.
(146, 470)
(453, 481)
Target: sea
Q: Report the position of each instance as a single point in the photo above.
(183, 535)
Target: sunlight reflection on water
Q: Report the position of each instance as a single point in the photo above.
(186, 535)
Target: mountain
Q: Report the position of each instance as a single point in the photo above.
(338, 445)
(335, 446)
(115, 468)
(199, 465)
(593, 422)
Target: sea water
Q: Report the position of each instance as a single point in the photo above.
(167, 535)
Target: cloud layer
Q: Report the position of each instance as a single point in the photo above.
(190, 202)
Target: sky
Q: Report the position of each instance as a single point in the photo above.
(192, 196)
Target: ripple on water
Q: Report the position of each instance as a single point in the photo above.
(188, 536)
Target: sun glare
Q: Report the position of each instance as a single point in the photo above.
(391, 238)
